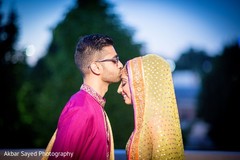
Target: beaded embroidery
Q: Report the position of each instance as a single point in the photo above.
(157, 133)
(94, 94)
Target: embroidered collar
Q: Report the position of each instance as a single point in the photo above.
(94, 94)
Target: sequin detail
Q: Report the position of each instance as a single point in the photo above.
(157, 133)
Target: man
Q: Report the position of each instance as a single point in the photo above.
(83, 127)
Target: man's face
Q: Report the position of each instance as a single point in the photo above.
(111, 65)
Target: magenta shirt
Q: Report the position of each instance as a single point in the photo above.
(82, 129)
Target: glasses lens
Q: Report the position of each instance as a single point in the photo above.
(116, 59)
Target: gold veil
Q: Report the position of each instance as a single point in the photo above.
(157, 133)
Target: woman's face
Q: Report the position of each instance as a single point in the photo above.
(124, 89)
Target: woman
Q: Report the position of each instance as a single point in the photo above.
(147, 85)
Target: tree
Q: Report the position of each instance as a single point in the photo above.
(55, 77)
(220, 99)
(12, 65)
(197, 61)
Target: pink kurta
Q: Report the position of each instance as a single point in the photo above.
(82, 127)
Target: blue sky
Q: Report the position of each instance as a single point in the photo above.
(167, 27)
(171, 26)
(36, 18)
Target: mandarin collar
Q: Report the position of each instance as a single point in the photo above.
(94, 94)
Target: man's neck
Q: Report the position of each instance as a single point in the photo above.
(100, 87)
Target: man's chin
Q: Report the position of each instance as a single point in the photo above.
(117, 80)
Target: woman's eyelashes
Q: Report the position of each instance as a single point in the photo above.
(124, 83)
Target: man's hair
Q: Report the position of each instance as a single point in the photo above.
(89, 47)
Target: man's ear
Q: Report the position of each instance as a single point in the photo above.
(95, 68)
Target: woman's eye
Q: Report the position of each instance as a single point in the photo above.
(123, 84)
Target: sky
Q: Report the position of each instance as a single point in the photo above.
(166, 27)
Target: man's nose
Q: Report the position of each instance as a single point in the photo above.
(120, 65)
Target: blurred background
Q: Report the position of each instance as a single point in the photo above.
(200, 39)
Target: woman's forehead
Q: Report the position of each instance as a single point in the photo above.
(124, 72)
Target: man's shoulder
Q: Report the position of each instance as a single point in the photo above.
(80, 95)
(80, 98)
(77, 104)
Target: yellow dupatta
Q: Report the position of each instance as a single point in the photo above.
(49, 146)
(111, 139)
(157, 133)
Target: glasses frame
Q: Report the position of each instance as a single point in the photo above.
(115, 60)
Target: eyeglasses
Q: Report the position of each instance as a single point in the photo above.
(114, 60)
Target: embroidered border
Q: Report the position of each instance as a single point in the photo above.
(94, 94)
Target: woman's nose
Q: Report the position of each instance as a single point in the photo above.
(119, 91)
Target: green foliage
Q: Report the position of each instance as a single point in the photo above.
(55, 78)
(197, 61)
(12, 68)
(120, 115)
(220, 99)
